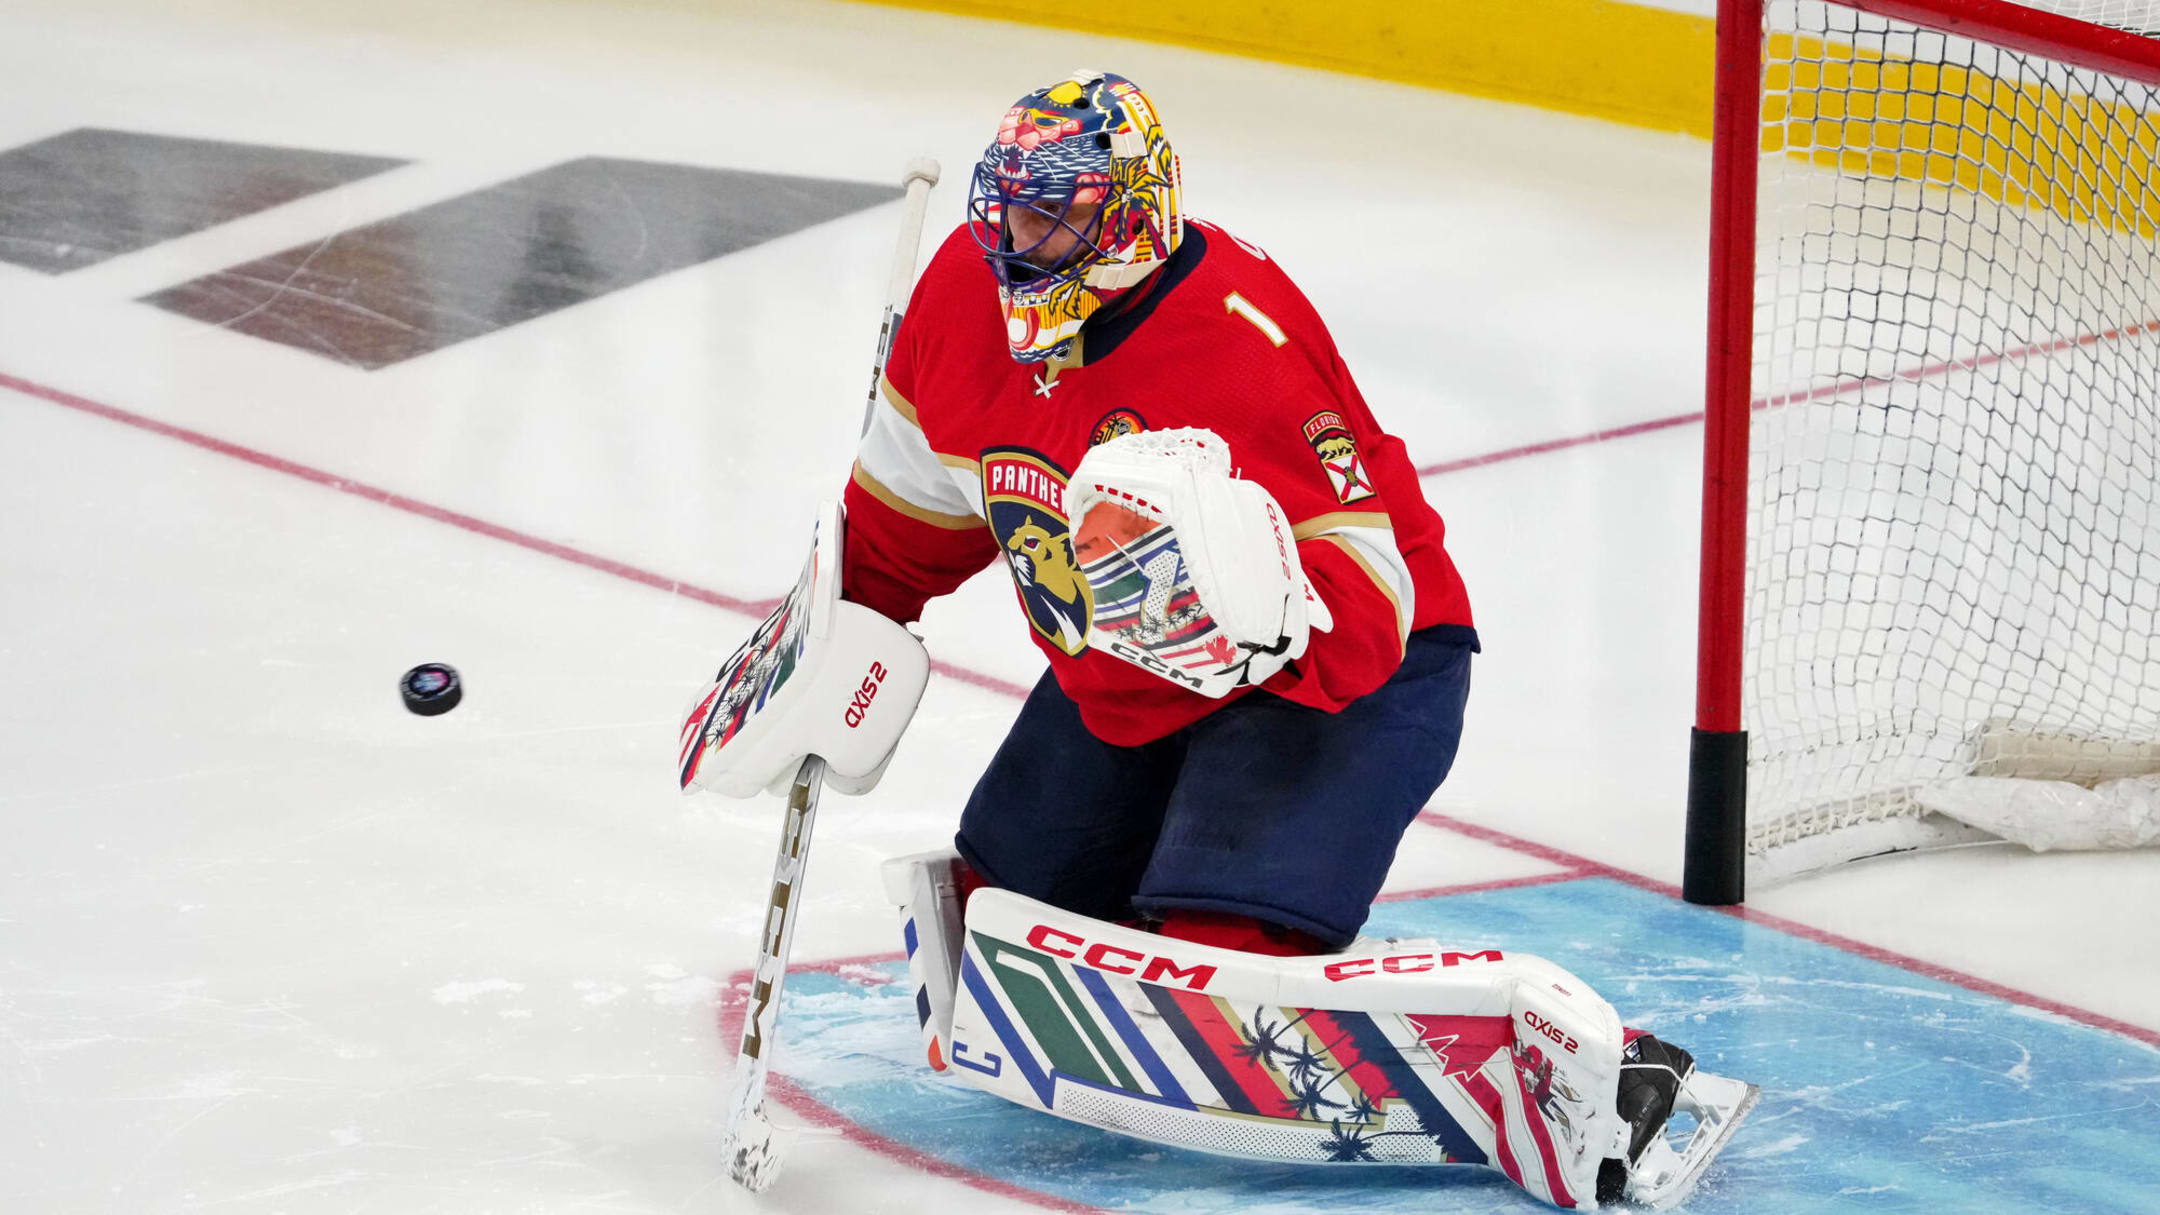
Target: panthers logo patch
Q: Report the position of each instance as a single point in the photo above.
(1024, 497)
(1116, 422)
(1331, 441)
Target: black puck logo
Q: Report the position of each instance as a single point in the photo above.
(431, 688)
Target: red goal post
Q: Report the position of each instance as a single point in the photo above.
(1959, 273)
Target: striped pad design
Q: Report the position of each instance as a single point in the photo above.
(1323, 1086)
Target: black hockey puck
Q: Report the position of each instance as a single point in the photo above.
(431, 688)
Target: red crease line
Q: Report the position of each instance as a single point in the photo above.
(806, 1104)
(396, 501)
(1513, 883)
(798, 1099)
(1585, 867)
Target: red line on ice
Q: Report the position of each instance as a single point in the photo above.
(1537, 449)
(441, 514)
(1826, 392)
(395, 501)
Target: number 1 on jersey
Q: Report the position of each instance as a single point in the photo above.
(1234, 302)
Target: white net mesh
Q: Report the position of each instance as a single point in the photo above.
(1953, 538)
(2137, 16)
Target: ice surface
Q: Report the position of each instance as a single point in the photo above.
(269, 943)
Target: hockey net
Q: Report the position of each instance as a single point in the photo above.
(1952, 538)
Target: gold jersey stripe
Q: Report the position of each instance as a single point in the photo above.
(1341, 518)
(954, 523)
(1402, 622)
(951, 461)
(901, 405)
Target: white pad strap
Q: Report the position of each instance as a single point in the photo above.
(819, 677)
(925, 888)
(1193, 573)
(1396, 1052)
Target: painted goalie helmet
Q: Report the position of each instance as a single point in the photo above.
(1082, 163)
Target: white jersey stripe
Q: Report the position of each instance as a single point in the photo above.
(1374, 549)
(895, 457)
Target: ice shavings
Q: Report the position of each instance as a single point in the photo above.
(465, 991)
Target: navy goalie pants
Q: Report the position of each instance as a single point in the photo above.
(1263, 808)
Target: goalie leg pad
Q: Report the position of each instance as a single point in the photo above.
(1401, 1052)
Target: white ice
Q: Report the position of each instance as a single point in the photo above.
(269, 943)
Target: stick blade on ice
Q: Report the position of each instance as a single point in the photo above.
(753, 1152)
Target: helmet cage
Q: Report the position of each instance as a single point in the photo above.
(991, 202)
(1091, 139)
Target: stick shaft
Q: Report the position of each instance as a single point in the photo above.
(920, 176)
(753, 1156)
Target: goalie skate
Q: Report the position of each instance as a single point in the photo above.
(1674, 1160)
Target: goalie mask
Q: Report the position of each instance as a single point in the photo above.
(1074, 203)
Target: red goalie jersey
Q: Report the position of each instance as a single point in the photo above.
(967, 461)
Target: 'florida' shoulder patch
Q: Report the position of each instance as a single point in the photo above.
(1331, 441)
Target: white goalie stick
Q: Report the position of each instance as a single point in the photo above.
(753, 1156)
(752, 1152)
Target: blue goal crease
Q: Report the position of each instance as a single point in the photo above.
(1883, 1089)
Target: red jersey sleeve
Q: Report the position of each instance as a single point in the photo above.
(1364, 647)
(912, 534)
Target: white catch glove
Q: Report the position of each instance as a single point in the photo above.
(1193, 572)
(820, 677)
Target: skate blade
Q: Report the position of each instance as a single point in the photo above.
(752, 1152)
(1669, 1172)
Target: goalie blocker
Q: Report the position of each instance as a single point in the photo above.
(1390, 1052)
(821, 676)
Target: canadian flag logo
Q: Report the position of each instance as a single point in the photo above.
(1220, 649)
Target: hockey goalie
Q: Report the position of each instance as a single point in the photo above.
(1259, 656)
